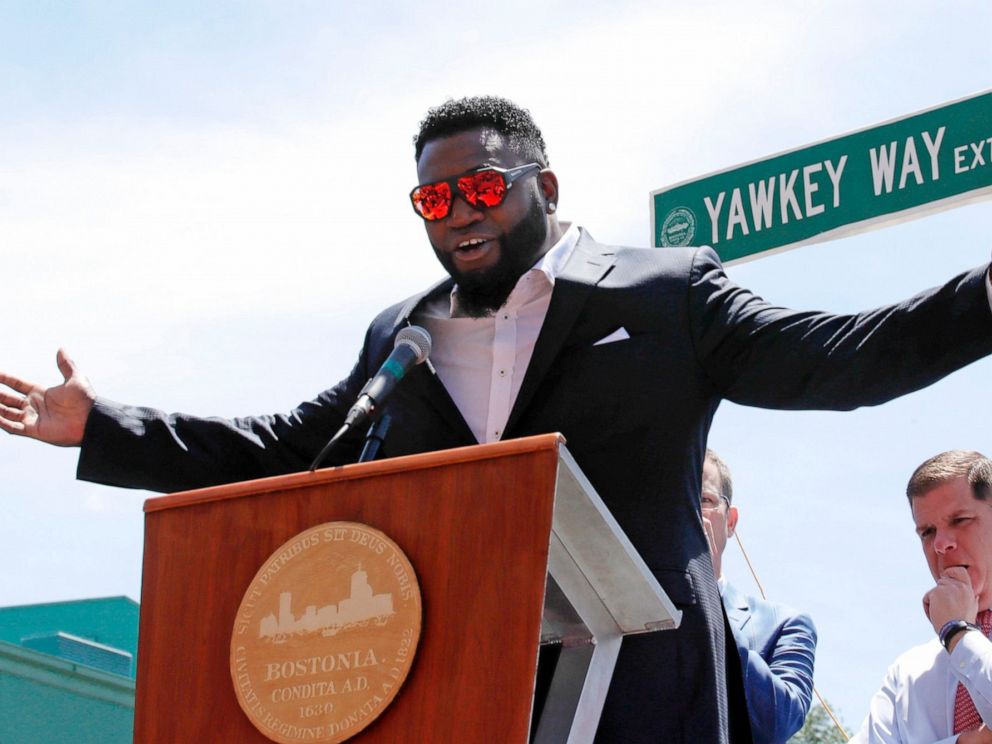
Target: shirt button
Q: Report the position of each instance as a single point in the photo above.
(502, 373)
(496, 433)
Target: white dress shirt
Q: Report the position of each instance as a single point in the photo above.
(915, 704)
(482, 361)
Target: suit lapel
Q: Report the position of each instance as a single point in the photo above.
(588, 265)
(423, 380)
(738, 610)
(407, 308)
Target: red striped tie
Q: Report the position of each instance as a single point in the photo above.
(966, 717)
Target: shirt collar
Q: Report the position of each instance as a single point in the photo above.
(550, 264)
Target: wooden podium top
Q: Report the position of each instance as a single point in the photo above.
(475, 453)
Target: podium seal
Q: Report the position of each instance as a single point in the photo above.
(326, 634)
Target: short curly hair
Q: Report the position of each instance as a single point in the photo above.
(492, 112)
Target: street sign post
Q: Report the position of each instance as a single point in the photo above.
(894, 171)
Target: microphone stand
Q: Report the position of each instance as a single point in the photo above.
(373, 441)
(375, 438)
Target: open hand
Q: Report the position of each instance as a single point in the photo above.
(56, 415)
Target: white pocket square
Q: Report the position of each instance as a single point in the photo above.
(618, 335)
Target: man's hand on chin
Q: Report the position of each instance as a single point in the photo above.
(952, 599)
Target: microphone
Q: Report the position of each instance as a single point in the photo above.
(413, 346)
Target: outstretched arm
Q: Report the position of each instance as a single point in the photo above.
(761, 355)
(56, 415)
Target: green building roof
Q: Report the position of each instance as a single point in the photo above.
(110, 622)
(67, 671)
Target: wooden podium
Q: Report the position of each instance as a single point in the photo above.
(477, 524)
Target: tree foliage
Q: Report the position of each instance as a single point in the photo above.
(819, 729)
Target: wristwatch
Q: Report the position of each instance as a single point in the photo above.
(951, 628)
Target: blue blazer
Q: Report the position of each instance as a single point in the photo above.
(635, 414)
(776, 645)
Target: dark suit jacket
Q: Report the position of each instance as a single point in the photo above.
(776, 645)
(635, 414)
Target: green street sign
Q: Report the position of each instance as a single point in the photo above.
(904, 168)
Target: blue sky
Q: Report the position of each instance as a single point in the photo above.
(205, 203)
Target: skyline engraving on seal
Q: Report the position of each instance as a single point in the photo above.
(355, 610)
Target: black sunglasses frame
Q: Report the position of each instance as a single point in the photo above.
(509, 176)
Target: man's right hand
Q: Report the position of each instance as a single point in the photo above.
(56, 415)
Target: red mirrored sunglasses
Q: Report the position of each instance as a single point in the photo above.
(482, 189)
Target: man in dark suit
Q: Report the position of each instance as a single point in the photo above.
(539, 328)
(775, 643)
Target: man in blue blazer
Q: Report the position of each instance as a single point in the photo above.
(776, 644)
(539, 328)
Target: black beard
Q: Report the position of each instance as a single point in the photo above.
(482, 293)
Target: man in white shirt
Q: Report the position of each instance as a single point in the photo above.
(941, 692)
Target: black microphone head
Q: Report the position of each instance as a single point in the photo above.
(418, 339)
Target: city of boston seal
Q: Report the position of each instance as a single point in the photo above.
(326, 634)
(679, 228)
